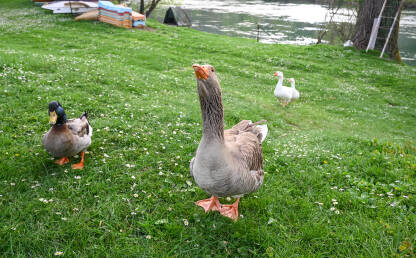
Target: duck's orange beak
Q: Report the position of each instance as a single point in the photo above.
(201, 71)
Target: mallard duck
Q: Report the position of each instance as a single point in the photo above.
(230, 162)
(67, 137)
(283, 93)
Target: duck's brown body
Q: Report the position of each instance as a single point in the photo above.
(68, 139)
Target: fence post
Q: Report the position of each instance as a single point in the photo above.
(258, 32)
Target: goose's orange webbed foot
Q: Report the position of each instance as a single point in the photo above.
(62, 161)
(230, 211)
(212, 204)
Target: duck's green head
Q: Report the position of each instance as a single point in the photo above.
(57, 114)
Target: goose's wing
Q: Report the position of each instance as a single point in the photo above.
(246, 126)
(285, 92)
(244, 144)
(247, 149)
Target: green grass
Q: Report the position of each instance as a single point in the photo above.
(350, 138)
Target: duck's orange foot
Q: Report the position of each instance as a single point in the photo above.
(212, 204)
(62, 161)
(230, 211)
(79, 165)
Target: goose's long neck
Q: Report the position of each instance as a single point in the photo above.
(279, 83)
(213, 118)
(293, 85)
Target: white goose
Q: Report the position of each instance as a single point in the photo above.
(283, 93)
(295, 92)
(230, 162)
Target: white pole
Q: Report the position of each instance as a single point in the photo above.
(374, 31)
(391, 30)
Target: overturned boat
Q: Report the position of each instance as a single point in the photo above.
(71, 6)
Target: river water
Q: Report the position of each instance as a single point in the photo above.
(281, 21)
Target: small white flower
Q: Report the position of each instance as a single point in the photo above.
(43, 200)
(64, 219)
(133, 213)
(148, 237)
(77, 177)
(58, 253)
(133, 177)
(185, 222)
(271, 220)
(332, 209)
(337, 212)
(135, 195)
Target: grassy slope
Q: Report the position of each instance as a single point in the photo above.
(350, 137)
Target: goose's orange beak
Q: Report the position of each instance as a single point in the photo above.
(276, 74)
(201, 71)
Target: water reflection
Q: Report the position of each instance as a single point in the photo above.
(284, 21)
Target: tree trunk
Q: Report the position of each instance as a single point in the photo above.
(141, 7)
(369, 10)
(152, 7)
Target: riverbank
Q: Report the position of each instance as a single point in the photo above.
(284, 22)
(406, 5)
(340, 161)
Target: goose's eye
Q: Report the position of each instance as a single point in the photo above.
(212, 69)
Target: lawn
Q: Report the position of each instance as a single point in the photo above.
(340, 163)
